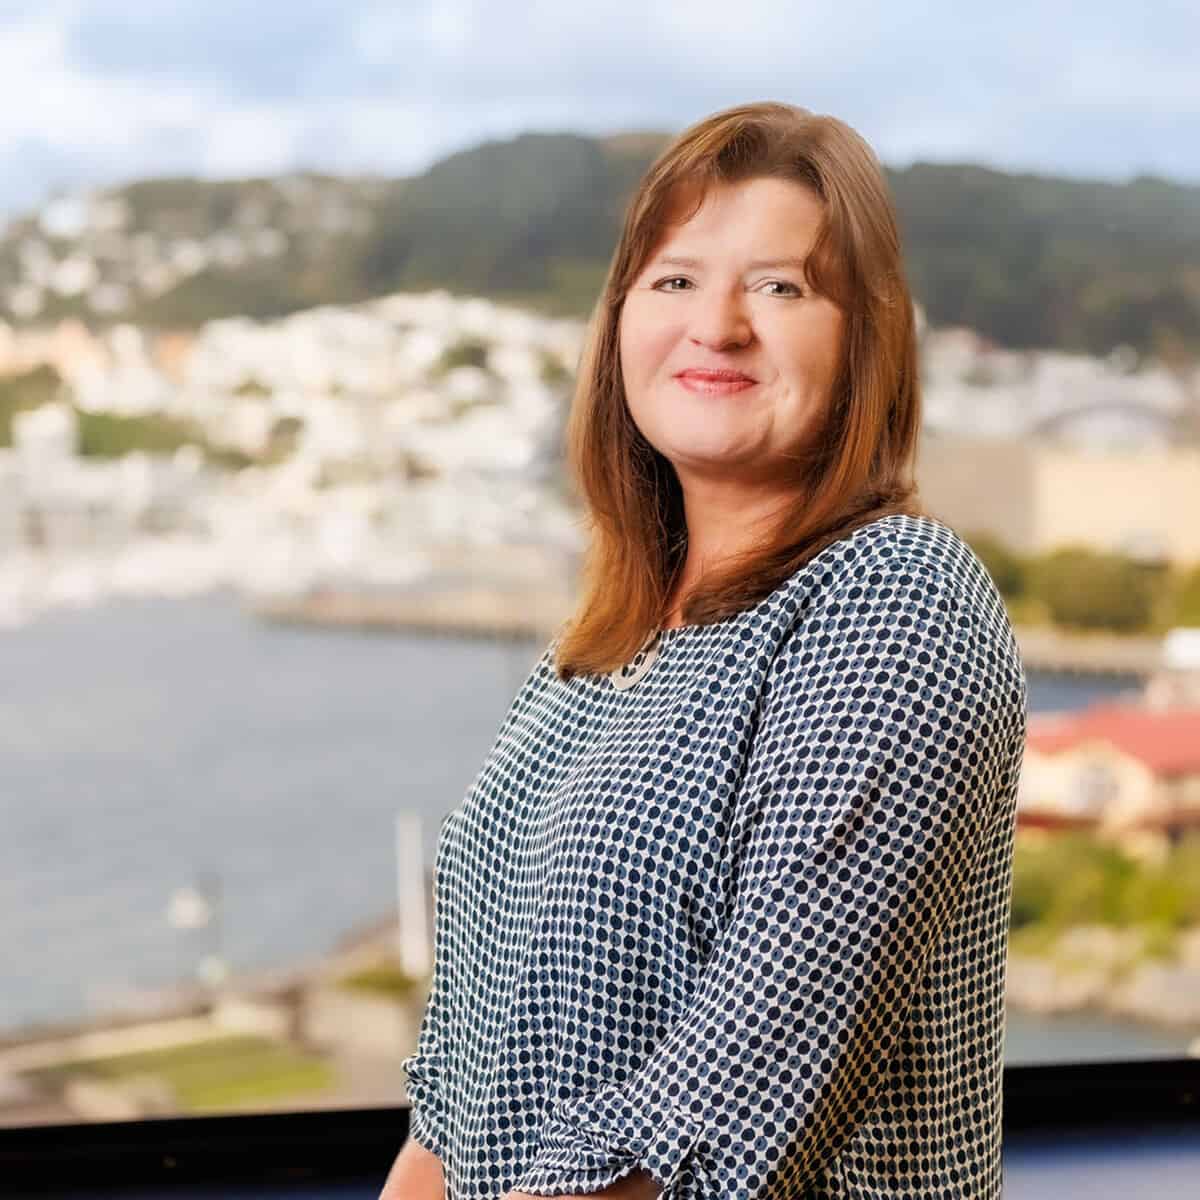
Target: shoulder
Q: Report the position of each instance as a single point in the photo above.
(902, 605)
(882, 551)
(917, 578)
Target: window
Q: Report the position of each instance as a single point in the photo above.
(284, 517)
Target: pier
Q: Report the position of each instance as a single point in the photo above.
(1055, 650)
(523, 613)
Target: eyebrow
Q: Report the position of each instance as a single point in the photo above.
(757, 265)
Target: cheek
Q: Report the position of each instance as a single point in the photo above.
(815, 353)
(834, 333)
(646, 341)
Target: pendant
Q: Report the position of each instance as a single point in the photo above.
(626, 676)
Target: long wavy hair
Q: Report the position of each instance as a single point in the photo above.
(861, 465)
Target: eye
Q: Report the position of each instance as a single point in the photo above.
(796, 290)
(671, 279)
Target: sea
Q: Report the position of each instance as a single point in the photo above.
(151, 745)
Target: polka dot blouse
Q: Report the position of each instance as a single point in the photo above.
(736, 915)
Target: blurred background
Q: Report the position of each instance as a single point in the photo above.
(291, 302)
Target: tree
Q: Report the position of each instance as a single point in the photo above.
(1185, 601)
(1006, 568)
(1087, 589)
(24, 391)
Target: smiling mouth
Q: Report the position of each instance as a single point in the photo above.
(713, 385)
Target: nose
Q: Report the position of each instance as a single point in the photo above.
(719, 320)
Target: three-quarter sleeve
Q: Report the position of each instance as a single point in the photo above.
(427, 1121)
(887, 725)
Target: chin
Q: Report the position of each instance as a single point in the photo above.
(706, 455)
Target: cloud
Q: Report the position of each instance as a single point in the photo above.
(126, 87)
(257, 52)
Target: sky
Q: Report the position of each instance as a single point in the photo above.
(100, 92)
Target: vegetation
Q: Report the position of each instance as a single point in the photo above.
(24, 391)
(1087, 590)
(1028, 260)
(214, 1074)
(383, 979)
(1006, 568)
(466, 352)
(283, 439)
(1072, 879)
(253, 387)
(1036, 261)
(1185, 601)
(551, 370)
(111, 435)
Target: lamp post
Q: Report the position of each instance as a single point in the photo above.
(412, 929)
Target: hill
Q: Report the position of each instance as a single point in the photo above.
(1027, 260)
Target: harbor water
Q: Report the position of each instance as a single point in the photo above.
(146, 744)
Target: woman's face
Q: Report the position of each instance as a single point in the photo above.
(735, 299)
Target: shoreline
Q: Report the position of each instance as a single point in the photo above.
(1106, 971)
(513, 612)
(317, 1012)
(1092, 969)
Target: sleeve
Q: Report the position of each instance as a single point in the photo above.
(427, 1109)
(886, 725)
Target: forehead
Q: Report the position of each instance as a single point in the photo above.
(764, 213)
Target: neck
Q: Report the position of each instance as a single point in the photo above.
(720, 526)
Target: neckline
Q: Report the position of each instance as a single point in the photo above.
(666, 634)
(663, 636)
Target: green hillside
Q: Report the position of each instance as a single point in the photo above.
(1029, 261)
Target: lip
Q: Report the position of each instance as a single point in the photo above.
(710, 381)
(725, 373)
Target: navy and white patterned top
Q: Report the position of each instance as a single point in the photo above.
(737, 915)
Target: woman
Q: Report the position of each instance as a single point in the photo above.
(724, 913)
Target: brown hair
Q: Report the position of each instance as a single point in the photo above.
(862, 464)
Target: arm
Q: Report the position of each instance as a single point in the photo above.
(888, 719)
(415, 1175)
(635, 1186)
(426, 1114)
(418, 1166)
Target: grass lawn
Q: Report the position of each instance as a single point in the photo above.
(216, 1074)
(383, 979)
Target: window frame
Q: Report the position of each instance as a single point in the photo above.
(351, 1146)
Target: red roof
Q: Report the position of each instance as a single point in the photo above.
(1167, 741)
